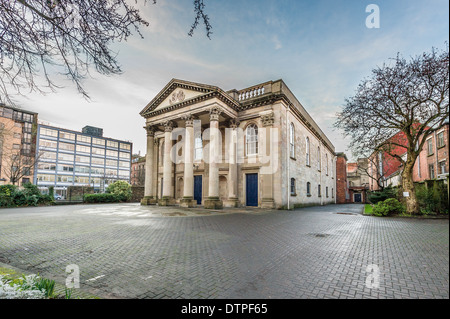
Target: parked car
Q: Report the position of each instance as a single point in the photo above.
(57, 197)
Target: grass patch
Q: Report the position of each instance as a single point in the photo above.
(368, 209)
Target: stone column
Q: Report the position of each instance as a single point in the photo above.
(267, 179)
(188, 196)
(149, 191)
(232, 200)
(167, 199)
(213, 201)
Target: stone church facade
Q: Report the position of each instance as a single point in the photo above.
(255, 147)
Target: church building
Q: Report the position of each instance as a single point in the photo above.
(255, 147)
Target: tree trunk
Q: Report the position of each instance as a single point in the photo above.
(412, 206)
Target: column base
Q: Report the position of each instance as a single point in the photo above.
(267, 203)
(188, 202)
(166, 201)
(213, 203)
(148, 200)
(231, 203)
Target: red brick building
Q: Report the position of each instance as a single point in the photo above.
(432, 162)
(342, 192)
(138, 170)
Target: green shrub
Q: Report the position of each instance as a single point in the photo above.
(388, 207)
(121, 189)
(432, 198)
(382, 195)
(101, 198)
(11, 196)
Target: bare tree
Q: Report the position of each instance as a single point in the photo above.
(39, 38)
(18, 165)
(395, 110)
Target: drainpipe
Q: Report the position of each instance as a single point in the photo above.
(288, 159)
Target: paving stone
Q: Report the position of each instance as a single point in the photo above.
(153, 252)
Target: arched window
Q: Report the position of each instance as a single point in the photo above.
(251, 139)
(308, 162)
(318, 159)
(292, 140)
(198, 149)
(308, 189)
(293, 186)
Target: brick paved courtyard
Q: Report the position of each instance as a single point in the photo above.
(129, 251)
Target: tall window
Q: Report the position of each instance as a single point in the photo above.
(292, 140)
(326, 164)
(198, 152)
(430, 146)
(440, 139)
(318, 159)
(293, 186)
(319, 191)
(443, 167)
(251, 134)
(431, 170)
(308, 189)
(307, 152)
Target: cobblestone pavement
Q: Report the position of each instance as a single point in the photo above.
(129, 251)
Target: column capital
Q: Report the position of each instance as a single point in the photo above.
(214, 113)
(169, 126)
(150, 130)
(189, 120)
(268, 119)
(234, 123)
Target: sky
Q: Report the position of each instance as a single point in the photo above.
(321, 49)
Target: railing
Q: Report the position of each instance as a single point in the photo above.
(247, 94)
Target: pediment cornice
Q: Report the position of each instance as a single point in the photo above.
(205, 92)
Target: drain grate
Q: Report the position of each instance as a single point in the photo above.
(320, 235)
(345, 214)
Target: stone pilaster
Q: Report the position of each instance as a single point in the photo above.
(267, 179)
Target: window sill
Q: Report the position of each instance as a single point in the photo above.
(293, 158)
(293, 195)
(439, 147)
(430, 154)
(308, 165)
(308, 195)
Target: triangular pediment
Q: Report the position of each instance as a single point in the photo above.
(178, 92)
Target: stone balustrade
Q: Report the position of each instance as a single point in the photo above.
(250, 93)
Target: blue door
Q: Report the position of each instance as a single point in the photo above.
(198, 189)
(252, 190)
(358, 198)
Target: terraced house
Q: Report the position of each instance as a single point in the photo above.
(256, 146)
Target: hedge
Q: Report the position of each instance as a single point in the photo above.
(101, 198)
